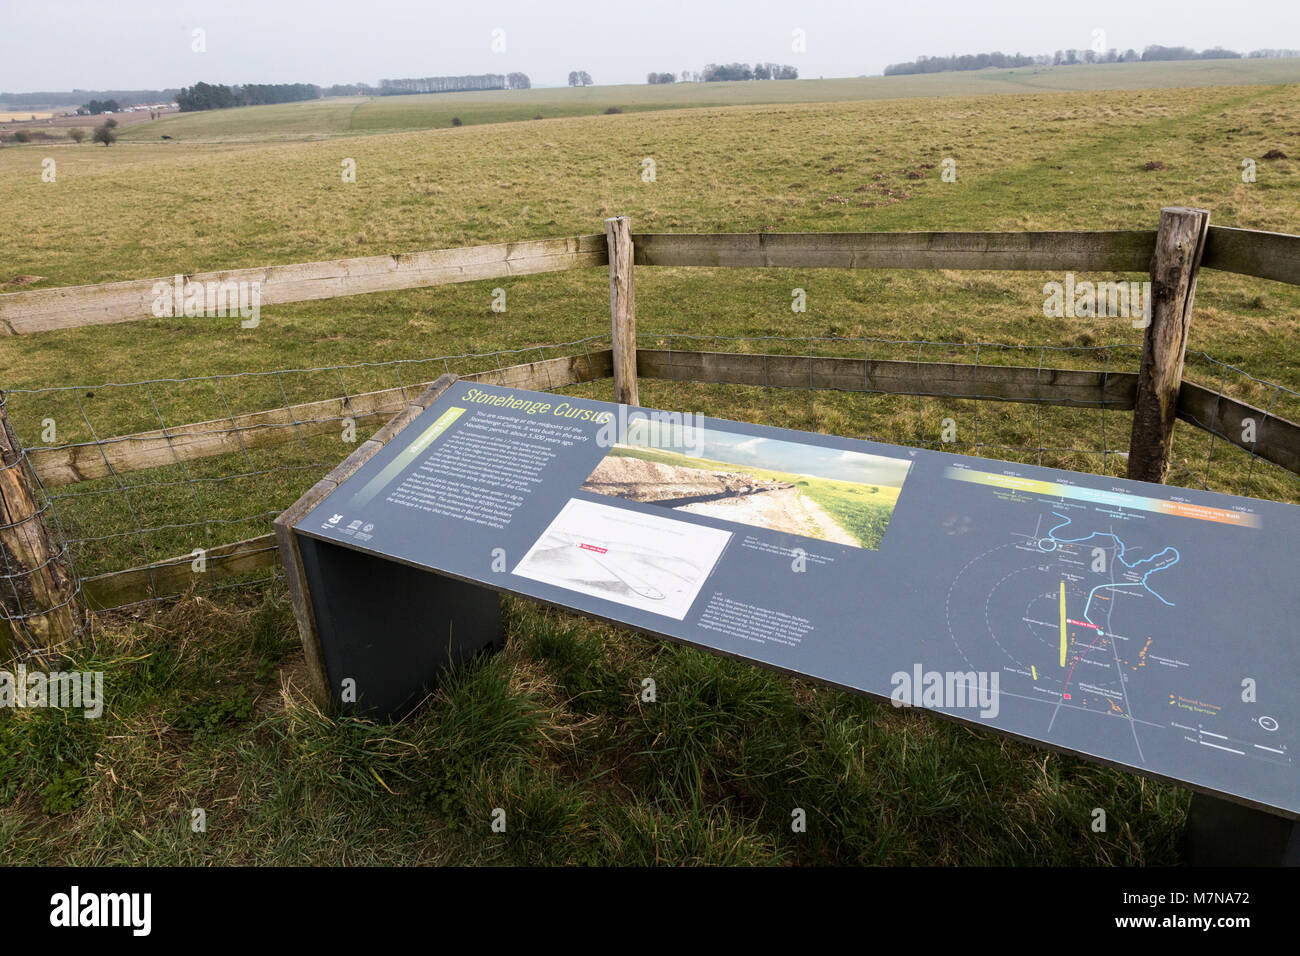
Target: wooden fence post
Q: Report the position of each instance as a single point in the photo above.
(1174, 266)
(37, 593)
(622, 309)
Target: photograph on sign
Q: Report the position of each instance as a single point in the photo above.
(644, 561)
(845, 497)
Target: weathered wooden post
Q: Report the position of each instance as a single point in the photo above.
(622, 309)
(1174, 267)
(37, 594)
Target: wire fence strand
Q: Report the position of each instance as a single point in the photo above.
(149, 475)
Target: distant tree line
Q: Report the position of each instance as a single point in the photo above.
(983, 61)
(713, 73)
(218, 96)
(970, 61)
(579, 78)
(95, 107)
(1187, 53)
(454, 84)
(79, 97)
(433, 84)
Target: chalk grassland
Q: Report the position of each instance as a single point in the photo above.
(205, 702)
(1028, 162)
(861, 510)
(350, 116)
(1023, 162)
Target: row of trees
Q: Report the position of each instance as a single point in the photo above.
(713, 73)
(579, 78)
(16, 101)
(453, 84)
(974, 61)
(1187, 53)
(218, 96)
(997, 60)
(95, 107)
(654, 78)
(260, 94)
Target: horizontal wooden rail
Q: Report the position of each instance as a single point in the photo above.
(1276, 439)
(81, 462)
(1250, 252)
(1003, 383)
(1267, 255)
(1121, 251)
(174, 576)
(43, 310)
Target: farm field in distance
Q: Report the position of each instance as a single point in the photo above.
(709, 774)
(1043, 161)
(349, 116)
(842, 511)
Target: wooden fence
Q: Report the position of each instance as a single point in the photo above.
(44, 310)
(1156, 393)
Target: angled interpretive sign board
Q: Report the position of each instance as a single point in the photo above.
(1148, 627)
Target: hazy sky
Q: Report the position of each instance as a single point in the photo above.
(795, 457)
(146, 44)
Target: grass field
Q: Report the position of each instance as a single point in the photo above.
(345, 116)
(205, 703)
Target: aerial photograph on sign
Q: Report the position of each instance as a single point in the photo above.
(845, 497)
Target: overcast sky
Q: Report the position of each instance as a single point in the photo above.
(795, 457)
(146, 44)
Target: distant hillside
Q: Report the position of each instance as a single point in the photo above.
(352, 116)
(999, 60)
(77, 97)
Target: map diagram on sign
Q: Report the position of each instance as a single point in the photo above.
(1093, 607)
(645, 561)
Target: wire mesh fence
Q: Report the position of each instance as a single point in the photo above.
(138, 475)
(179, 480)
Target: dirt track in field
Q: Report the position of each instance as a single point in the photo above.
(730, 496)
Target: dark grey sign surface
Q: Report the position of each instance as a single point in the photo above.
(1145, 626)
